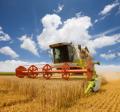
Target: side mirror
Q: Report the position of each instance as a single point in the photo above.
(98, 63)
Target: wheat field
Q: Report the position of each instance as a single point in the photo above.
(39, 95)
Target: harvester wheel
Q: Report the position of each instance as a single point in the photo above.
(32, 71)
(21, 71)
(65, 74)
(47, 71)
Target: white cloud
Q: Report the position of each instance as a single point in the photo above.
(73, 30)
(109, 72)
(111, 54)
(4, 36)
(29, 44)
(107, 32)
(51, 21)
(79, 14)
(59, 8)
(118, 53)
(8, 51)
(108, 8)
(108, 68)
(108, 56)
(104, 41)
(96, 20)
(11, 65)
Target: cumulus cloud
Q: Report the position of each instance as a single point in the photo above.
(104, 41)
(59, 8)
(11, 65)
(4, 36)
(51, 21)
(108, 8)
(72, 30)
(29, 44)
(75, 30)
(8, 51)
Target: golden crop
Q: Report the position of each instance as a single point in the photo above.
(39, 95)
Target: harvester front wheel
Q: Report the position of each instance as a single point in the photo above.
(20, 71)
(32, 71)
(47, 71)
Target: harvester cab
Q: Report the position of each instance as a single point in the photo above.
(69, 53)
(62, 52)
(68, 60)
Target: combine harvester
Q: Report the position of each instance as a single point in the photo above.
(68, 60)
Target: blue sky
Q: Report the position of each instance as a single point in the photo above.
(23, 23)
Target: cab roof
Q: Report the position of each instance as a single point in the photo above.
(59, 44)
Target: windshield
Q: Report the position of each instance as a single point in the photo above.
(61, 54)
